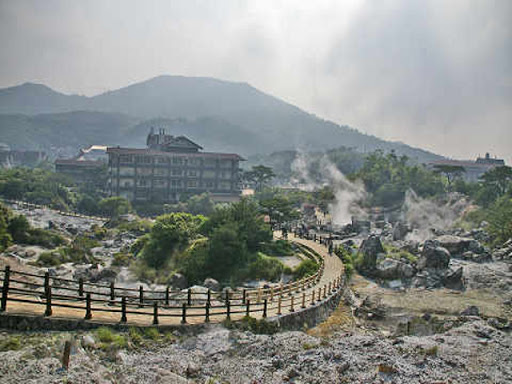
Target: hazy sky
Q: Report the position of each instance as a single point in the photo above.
(434, 74)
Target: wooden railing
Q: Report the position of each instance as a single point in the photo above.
(89, 298)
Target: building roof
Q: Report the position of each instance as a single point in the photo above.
(83, 163)
(461, 163)
(153, 152)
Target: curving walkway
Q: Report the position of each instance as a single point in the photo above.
(28, 295)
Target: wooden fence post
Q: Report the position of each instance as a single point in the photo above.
(279, 305)
(303, 300)
(265, 308)
(5, 288)
(80, 287)
(243, 295)
(155, 313)
(228, 307)
(184, 314)
(123, 310)
(167, 296)
(141, 295)
(207, 312)
(247, 307)
(313, 297)
(272, 293)
(112, 291)
(291, 305)
(329, 287)
(46, 283)
(325, 293)
(88, 312)
(48, 311)
(208, 296)
(189, 297)
(319, 294)
(259, 295)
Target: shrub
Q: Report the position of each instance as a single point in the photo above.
(152, 334)
(248, 323)
(105, 335)
(11, 343)
(135, 336)
(122, 259)
(306, 268)
(432, 351)
(278, 248)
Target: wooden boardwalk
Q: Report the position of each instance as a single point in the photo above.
(29, 294)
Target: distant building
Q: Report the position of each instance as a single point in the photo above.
(86, 167)
(473, 169)
(170, 167)
(13, 158)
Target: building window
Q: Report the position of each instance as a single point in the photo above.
(177, 160)
(177, 172)
(192, 184)
(125, 158)
(192, 172)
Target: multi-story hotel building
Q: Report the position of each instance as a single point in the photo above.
(171, 167)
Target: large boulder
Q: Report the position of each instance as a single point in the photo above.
(400, 230)
(433, 256)
(178, 281)
(391, 269)
(370, 248)
(212, 284)
(454, 244)
(453, 279)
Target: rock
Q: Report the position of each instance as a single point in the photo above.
(393, 269)
(453, 279)
(212, 284)
(343, 367)
(400, 230)
(105, 275)
(386, 368)
(178, 281)
(192, 370)
(454, 244)
(433, 256)
(395, 284)
(370, 248)
(471, 311)
(88, 342)
(121, 357)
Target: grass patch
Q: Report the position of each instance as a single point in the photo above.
(12, 343)
(152, 334)
(248, 323)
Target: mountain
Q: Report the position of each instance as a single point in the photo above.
(219, 115)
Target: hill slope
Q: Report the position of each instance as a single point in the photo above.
(220, 115)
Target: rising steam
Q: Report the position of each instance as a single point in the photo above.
(347, 194)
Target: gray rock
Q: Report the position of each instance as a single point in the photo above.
(394, 269)
(212, 284)
(471, 311)
(433, 256)
(454, 244)
(178, 281)
(88, 342)
(370, 248)
(453, 279)
(400, 230)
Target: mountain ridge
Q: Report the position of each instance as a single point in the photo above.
(257, 122)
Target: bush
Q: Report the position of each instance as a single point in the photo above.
(122, 259)
(11, 343)
(135, 336)
(105, 335)
(306, 268)
(265, 267)
(152, 334)
(278, 248)
(248, 323)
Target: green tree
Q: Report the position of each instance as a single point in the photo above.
(170, 233)
(451, 172)
(260, 175)
(114, 206)
(499, 179)
(500, 219)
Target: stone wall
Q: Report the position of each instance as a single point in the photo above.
(302, 318)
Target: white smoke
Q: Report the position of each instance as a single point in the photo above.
(347, 194)
(428, 216)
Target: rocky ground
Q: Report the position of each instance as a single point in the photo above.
(440, 316)
(474, 351)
